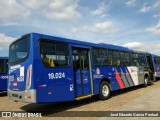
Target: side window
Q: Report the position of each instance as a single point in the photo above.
(122, 54)
(99, 56)
(110, 57)
(95, 53)
(157, 61)
(134, 59)
(80, 59)
(116, 60)
(3, 66)
(76, 59)
(125, 59)
(142, 60)
(54, 54)
(85, 60)
(122, 58)
(6, 66)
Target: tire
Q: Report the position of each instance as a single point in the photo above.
(104, 90)
(146, 81)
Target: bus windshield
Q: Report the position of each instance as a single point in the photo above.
(18, 50)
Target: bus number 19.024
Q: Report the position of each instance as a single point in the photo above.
(56, 75)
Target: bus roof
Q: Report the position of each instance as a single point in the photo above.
(79, 42)
(153, 55)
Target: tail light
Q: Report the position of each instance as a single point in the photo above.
(155, 74)
(29, 76)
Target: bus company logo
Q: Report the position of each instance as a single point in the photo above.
(15, 84)
(98, 72)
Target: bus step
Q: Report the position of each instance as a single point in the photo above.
(83, 97)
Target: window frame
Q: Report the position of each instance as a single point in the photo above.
(5, 66)
(134, 58)
(110, 56)
(115, 59)
(54, 41)
(157, 60)
(102, 57)
(125, 58)
(140, 64)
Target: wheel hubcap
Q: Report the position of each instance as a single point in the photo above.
(145, 80)
(105, 90)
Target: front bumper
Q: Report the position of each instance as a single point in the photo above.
(23, 96)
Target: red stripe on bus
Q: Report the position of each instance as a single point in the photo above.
(119, 79)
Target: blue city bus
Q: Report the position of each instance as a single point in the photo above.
(45, 68)
(156, 63)
(154, 66)
(3, 73)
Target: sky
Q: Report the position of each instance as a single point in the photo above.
(130, 23)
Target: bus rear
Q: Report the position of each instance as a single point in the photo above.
(3, 73)
(19, 75)
(33, 77)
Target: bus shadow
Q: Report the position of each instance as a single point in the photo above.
(50, 109)
(3, 93)
(126, 90)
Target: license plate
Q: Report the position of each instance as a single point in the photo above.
(14, 95)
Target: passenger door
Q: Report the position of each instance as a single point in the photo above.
(150, 67)
(142, 68)
(82, 72)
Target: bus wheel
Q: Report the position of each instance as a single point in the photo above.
(104, 91)
(145, 81)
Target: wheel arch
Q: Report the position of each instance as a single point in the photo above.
(146, 79)
(107, 80)
(146, 75)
